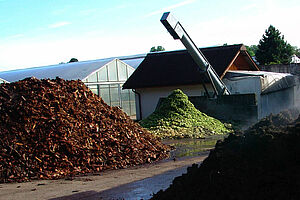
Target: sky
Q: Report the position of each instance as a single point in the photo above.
(47, 32)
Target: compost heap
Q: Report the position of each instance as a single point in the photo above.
(56, 128)
(176, 117)
(262, 163)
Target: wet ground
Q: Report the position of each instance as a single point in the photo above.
(138, 182)
(143, 189)
(186, 148)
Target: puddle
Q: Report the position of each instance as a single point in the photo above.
(145, 188)
(185, 148)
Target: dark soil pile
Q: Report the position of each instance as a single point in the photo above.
(262, 163)
(273, 122)
(56, 128)
(177, 117)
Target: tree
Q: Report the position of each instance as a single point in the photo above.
(252, 50)
(156, 49)
(272, 49)
(73, 60)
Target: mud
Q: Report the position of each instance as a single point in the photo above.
(261, 163)
(187, 147)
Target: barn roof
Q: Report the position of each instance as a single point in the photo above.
(178, 67)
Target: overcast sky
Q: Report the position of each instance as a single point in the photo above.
(45, 32)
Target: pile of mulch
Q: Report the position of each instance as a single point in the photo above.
(273, 122)
(262, 163)
(176, 117)
(51, 129)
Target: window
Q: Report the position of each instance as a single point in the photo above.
(130, 71)
(112, 71)
(125, 103)
(104, 93)
(114, 95)
(122, 71)
(92, 78)
(102, 74)
(132, 103)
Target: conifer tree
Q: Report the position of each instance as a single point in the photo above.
(272, 49)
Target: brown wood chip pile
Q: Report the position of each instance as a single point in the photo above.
(51, 129)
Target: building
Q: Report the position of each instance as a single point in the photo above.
(293, 69)
(295, 59)
(105, 77)
(254, 93)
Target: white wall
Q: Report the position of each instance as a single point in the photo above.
(275, 102)
(268, 103)
(150, 96)
(244, 85)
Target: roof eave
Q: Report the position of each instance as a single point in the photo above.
(227, 68)
(242, 49)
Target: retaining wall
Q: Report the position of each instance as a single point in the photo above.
(240, 107)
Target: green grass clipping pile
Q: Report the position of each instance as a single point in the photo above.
(176, 117)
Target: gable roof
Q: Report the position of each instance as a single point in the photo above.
(178, 67)
(68, 71)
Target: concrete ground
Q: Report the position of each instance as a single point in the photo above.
(89, 187)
